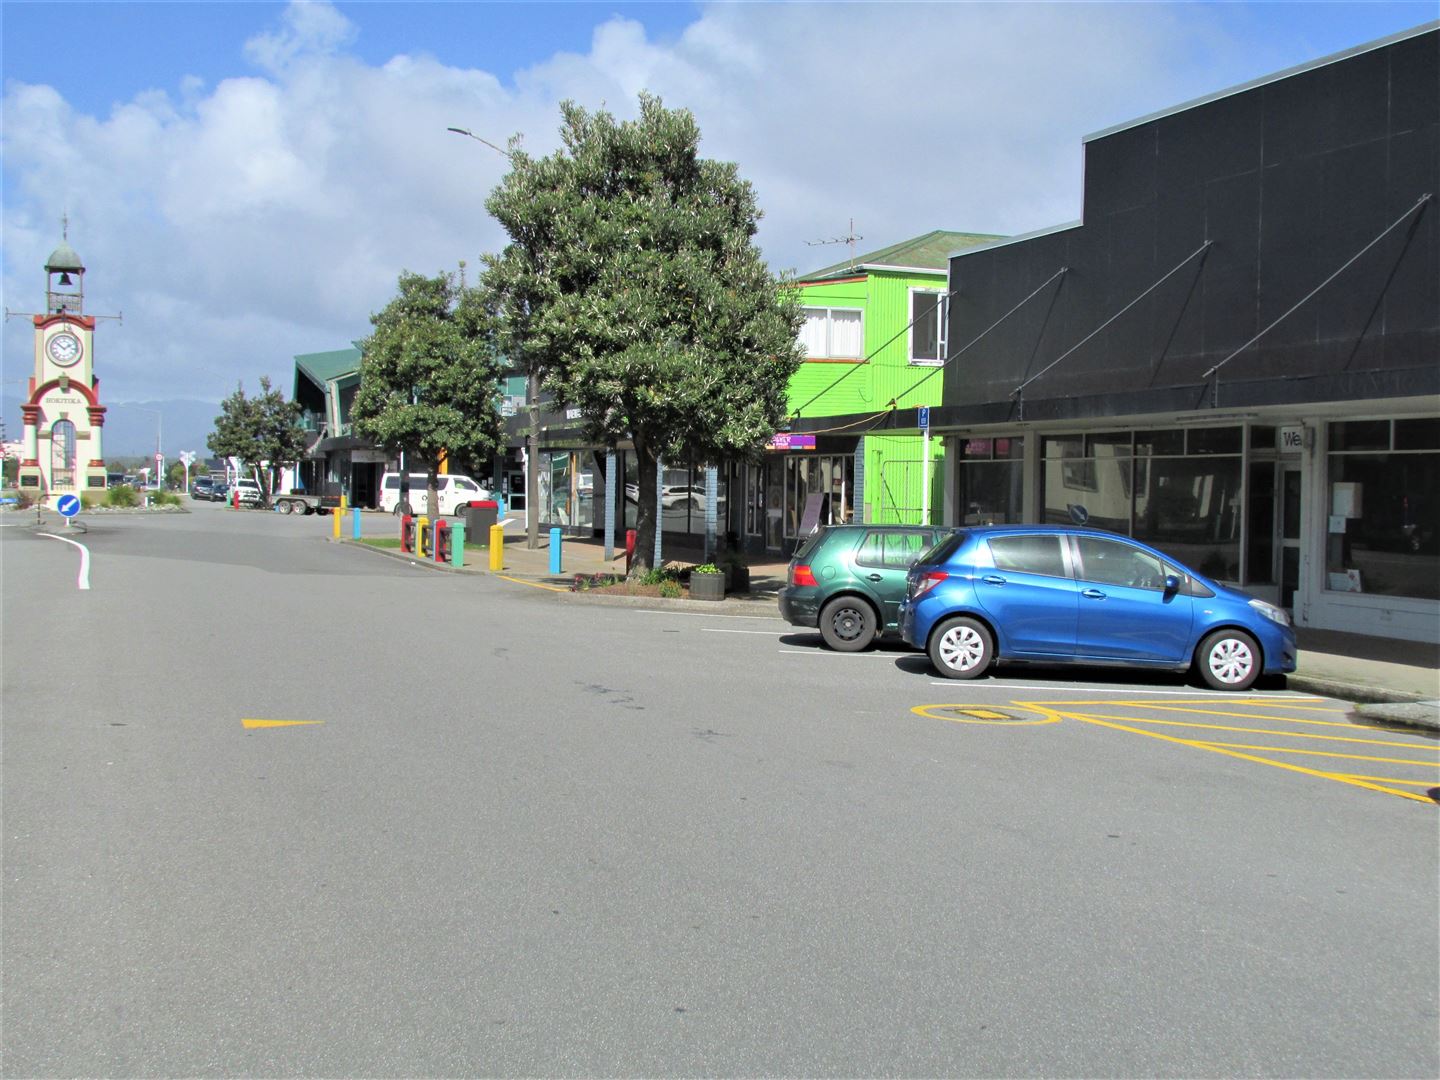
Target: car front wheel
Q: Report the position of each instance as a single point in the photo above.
(847, 624)
(1229, 660)
(961, 648)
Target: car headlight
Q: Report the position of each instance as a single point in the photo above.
(1271, 612)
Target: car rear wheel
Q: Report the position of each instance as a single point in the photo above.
(1229, 660)
(847, 624)
(961, 648)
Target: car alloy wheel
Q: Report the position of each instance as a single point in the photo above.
(1229, 660)
(961, 648)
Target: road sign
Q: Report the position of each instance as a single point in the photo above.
(924, 417)
(67, 506)
(187, 458)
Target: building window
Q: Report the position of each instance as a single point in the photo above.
(833, 333)
(1383, 513)
(990, 481)
(62, 454)
(927, 327)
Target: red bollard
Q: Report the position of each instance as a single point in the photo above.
(441, 545)
(235, 497)
(629, 548)
(407, 534)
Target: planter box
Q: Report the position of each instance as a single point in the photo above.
(707, 586)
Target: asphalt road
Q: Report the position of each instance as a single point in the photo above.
(526, 834)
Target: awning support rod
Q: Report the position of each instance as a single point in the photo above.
(1019, 391)
(1215, 389)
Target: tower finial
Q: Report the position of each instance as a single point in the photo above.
(65, 225)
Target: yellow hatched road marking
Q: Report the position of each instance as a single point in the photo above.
(1214, 749)
(1154, 704)
(1243, 716)
(279, 723)
(1319, 753)
(1267, 731)
(1393, 780)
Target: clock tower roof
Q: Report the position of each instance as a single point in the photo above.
(63, 258)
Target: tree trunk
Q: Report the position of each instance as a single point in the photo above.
(646, 517)
(432, 493)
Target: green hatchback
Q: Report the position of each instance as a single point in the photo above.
(848, 580)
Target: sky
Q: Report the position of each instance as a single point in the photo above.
(246, 181)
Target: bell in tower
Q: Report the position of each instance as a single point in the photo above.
(64, 279)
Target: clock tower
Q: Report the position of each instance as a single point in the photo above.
(63, 415)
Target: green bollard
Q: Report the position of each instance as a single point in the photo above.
(457, 544)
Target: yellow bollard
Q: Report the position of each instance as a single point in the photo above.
(421, 524)
(342, 502)
(497, 547)
(335, 516)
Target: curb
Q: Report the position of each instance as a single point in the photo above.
(1356, 693)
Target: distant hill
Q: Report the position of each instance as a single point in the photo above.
(130, 427)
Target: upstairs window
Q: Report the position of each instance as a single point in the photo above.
(927, 327)
(833, 334)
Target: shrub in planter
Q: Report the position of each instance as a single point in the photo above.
(707, 582)
(122, 495)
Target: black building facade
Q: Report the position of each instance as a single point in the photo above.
(1236, 354)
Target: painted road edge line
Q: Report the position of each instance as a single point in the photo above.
(83, 581)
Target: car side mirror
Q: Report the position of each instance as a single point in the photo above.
(1172, 584)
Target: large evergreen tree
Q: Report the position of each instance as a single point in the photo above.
(429, 376)
(263, 432)
(632, 285)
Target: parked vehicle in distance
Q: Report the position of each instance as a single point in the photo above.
(1060, 595)
(202, 487)
(248, 490)
(848, 580)
(220, 490)
(298, 502)
(455, 492)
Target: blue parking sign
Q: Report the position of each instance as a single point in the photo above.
(924, 417)
(67, 506)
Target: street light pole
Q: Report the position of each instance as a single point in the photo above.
(532, 396)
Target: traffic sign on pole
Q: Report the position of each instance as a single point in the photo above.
(67, 506)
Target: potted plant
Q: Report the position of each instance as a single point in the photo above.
(707, 582)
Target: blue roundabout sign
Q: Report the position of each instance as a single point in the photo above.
(67, 506)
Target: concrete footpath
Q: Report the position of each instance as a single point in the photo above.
(1390, 681)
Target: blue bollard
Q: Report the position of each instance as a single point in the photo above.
(555, 551)
(356, 512)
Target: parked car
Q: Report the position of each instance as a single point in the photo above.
(1061, 595)
(202, 487)
(248, 490)
(848, 580)
(455, 491)
(220, 490)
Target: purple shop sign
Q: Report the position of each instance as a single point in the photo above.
(784, 441)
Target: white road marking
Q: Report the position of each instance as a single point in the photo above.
(720, 630)
(827, 652)
(83, 582)
(708, 615)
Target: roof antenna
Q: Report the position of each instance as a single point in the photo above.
(849, 238)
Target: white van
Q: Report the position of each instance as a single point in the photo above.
(455, 492)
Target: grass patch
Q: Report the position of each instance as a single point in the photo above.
(392, 542)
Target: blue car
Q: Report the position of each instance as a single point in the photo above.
(1061, 595)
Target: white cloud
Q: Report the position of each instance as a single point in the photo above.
(269, 214)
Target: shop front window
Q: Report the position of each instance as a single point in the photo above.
(991, 481)
(1383, 513)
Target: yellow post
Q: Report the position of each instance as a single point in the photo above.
(335, 516)
(421, 524)
(497, 547)
(342, 502)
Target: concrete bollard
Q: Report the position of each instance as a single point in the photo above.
(497, 547)
(555, 551)
(457, 544)
(420, 526)
(356, 513)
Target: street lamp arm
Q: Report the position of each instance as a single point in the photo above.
(471, 135)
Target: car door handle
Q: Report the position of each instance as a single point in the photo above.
(877, 577)
(993, 579)
(1092, 594)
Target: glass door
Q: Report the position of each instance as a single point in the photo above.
(1288, 530)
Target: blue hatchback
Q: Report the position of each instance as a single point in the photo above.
(1053, 595)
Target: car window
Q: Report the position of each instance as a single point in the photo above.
(392, 483)
(1109, 562)
(1028, 555)
(942, 552)
(464, 485)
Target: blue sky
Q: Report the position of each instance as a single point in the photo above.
(246, 180)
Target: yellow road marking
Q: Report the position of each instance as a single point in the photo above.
(1319, 753)
(964, 714)
(1153, 704)
(1338, 777)
(1243, 716)
(278, 723)
(535, 584)
(1392, 780)
(1265, 731)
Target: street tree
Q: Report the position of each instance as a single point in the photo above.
(263, 432)
(633, 287)
(430, 377)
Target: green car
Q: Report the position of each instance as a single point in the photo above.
(848, 580)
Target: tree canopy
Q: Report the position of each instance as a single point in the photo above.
(260, 431)
(429, 376)
(632, 285)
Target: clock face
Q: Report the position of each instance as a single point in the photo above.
(64, 348)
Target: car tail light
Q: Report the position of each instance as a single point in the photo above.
(927, 581)
(802, 575)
